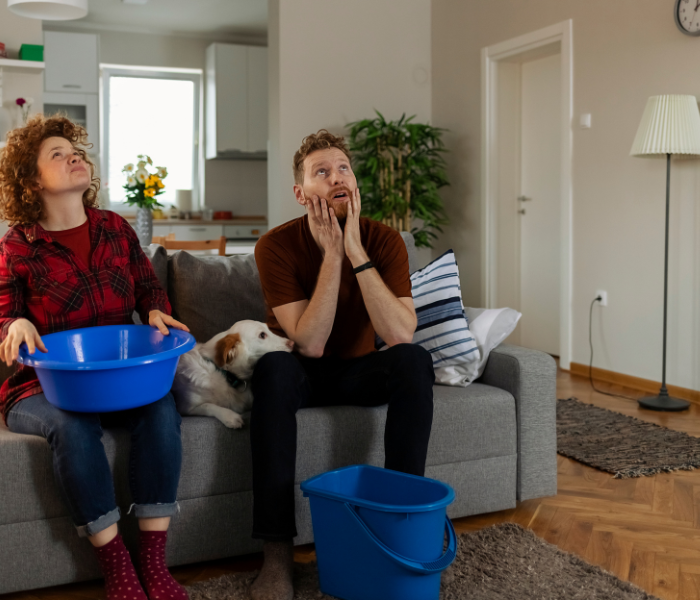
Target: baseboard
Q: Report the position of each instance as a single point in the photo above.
(635, 383)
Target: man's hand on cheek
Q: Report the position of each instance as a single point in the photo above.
(353, 242)
(324, 222)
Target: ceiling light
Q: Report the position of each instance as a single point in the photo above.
(134, 1)
(49, 10)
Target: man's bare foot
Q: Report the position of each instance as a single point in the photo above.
(275, 579)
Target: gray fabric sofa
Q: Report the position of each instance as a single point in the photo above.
(494, 442)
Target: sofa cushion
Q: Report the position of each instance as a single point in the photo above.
(211, 293)
(411, 249)
(159, 259)
(469, 424)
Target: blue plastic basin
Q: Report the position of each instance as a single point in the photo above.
(103, 369)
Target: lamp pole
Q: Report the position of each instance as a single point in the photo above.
(663, 401)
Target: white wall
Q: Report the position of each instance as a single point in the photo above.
(236, 185)
(624, 52)
(335, 62)
(15, 31)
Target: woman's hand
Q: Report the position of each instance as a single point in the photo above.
(159, 319)
(20, 331)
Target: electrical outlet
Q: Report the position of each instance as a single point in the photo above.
(604, 297)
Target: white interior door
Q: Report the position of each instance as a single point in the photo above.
(540, 160)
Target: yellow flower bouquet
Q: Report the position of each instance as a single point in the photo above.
(142, 186)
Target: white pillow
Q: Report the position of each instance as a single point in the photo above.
(490, 326)
(442, 326)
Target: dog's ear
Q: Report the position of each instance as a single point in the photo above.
(226, 349)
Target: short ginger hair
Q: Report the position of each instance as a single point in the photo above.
(20, 201)
(321, 140)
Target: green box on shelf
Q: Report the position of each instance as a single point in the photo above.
(31, 52)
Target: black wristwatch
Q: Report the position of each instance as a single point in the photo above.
(367, 265)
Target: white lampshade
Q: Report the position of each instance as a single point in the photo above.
(670, 125)
(49, 10)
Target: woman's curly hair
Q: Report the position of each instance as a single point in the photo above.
(20, 201)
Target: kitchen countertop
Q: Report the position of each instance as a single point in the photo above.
(234, 221)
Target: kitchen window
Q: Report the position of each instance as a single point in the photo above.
(154, 112)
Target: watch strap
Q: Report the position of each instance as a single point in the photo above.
(367, 265)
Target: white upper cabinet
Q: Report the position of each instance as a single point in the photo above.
(71, 62)
(236, 103)
(257, 99)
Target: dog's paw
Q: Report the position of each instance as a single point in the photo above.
(232, 420)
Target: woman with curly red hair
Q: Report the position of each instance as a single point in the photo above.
(66, 264)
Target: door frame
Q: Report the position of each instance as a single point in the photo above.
(490, 57)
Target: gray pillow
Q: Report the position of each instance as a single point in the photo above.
(159, 259)
(211, 293)
(411, 249)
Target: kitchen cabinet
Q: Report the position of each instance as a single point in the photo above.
(82, 109)
(236, 102)
(245, 232)
(187, 231)
(72, 62)
(71, 80)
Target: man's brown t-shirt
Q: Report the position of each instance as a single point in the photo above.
(289, 262)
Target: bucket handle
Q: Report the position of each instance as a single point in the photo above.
(425, 568)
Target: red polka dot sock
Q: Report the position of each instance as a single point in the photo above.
(157, 580)
(121, 581)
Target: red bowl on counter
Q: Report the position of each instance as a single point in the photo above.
(222, 215)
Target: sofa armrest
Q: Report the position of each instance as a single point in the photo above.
(530, 376)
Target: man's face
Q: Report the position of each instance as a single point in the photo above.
(328, 175)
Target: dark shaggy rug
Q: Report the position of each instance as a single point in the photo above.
(503, 562)
(622, 445)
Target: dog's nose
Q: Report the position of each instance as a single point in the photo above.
(290, 344)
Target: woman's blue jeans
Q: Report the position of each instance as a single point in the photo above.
(80, 463)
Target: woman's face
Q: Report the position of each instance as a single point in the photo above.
(61, 168)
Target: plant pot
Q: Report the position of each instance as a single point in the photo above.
(144, 226)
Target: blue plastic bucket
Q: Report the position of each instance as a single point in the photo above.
(380, 534)
(107, 368)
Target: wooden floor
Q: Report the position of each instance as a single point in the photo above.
(645, 530)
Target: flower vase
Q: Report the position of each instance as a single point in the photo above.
(144, 226)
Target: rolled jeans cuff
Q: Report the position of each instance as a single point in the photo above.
(99, 524)
(154, 511)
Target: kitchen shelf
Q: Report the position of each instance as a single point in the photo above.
(12, 65)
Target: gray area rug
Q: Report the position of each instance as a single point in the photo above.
(622, 445)
(503, 562)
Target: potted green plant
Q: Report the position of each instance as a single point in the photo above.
(142, 187)
(400, 168)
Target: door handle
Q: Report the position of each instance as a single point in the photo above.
(521, 211)
(524, 198)
(72, 86)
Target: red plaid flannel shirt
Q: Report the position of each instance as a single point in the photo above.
(46, 283)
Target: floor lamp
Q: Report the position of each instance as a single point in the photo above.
(670, 125)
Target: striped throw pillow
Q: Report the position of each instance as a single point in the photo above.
(442, 328)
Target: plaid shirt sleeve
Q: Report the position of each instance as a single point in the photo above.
(11, 295)
(148, 292)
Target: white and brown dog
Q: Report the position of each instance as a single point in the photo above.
(212, 379)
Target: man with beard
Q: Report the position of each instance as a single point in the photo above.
(331, 279)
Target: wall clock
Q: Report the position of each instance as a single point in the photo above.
(687, 16)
